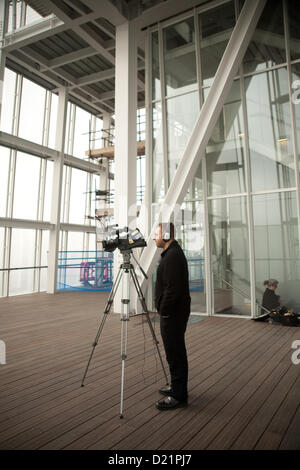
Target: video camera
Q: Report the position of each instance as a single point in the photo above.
(124, 239)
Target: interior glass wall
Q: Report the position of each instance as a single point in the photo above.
(276, 235)
(246, 187)
(228, 228)
(225, 153)
(215, 28)
(270, 130)
(182, 112)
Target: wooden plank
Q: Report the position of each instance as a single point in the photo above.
(208, 398)
(291, 440)
(115, 412)
(234, 365)
(271, 438)
(109, 152)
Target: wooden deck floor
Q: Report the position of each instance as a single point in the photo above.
(244, 391)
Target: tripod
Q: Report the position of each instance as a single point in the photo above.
(127, 269)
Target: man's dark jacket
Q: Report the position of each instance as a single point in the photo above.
(172, 294)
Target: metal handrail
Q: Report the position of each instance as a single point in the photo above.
(241, 292)
(25, 267)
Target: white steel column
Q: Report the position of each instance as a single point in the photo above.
(125, 133)
(57, 189)
(207, 119)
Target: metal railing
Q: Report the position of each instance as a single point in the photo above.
(243, 294)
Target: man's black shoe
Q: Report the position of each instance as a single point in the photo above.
(166, 391)
(170, 403)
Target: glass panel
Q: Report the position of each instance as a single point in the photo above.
(75, 241)
(140, 181)
(1, 246)
(230, 255)
(1, 257)
(294, 21)
(267, 47)
(157, 152)
(192, 233)
(81, 133)
(182, 112)
(48, 191)
(22, 248)
(53, 119)
(215, 28)
(32, 15)
(8, 103)
(195, 190)
(69, 124)
(225, 150)
(156, 90)
(296, 104)
(78, 197)
(43, 279)
(270, 133)
(21, 281)
(276, 241)
(180, 57)
(26, 186)
(4, 168)
(32, 111)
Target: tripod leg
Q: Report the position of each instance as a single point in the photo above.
(106, 312)
(124, 336)
(146, 312)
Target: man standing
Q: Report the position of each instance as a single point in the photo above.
(172, 301)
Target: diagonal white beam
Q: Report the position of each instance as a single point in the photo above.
(195, 149)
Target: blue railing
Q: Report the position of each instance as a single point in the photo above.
(85, 270)
(93, 271)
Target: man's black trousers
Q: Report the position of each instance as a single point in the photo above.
(172, 332)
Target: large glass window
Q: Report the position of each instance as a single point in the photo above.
(270, 132)
(156, 90)
(296, 104)
(32, 111)
(294, 21)
(53, 119)
(182, 112)
(26, 186)
(192, 235)
(81, 132)
(225, 154)
(195, 191)
(157, 154)
(180, 57)
(21, 255)
(276, 240)
(77, 214)
(4, 168)
(48, 191)
(230, 255)
(215, 28)
(267, 47)
(8, 103)
(1, 257)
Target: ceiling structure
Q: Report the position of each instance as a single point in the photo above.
(74, 45)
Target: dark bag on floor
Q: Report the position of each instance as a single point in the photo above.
(285, 317)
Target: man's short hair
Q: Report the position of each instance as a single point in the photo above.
(167, 230)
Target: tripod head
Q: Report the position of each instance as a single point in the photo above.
(127, 261)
